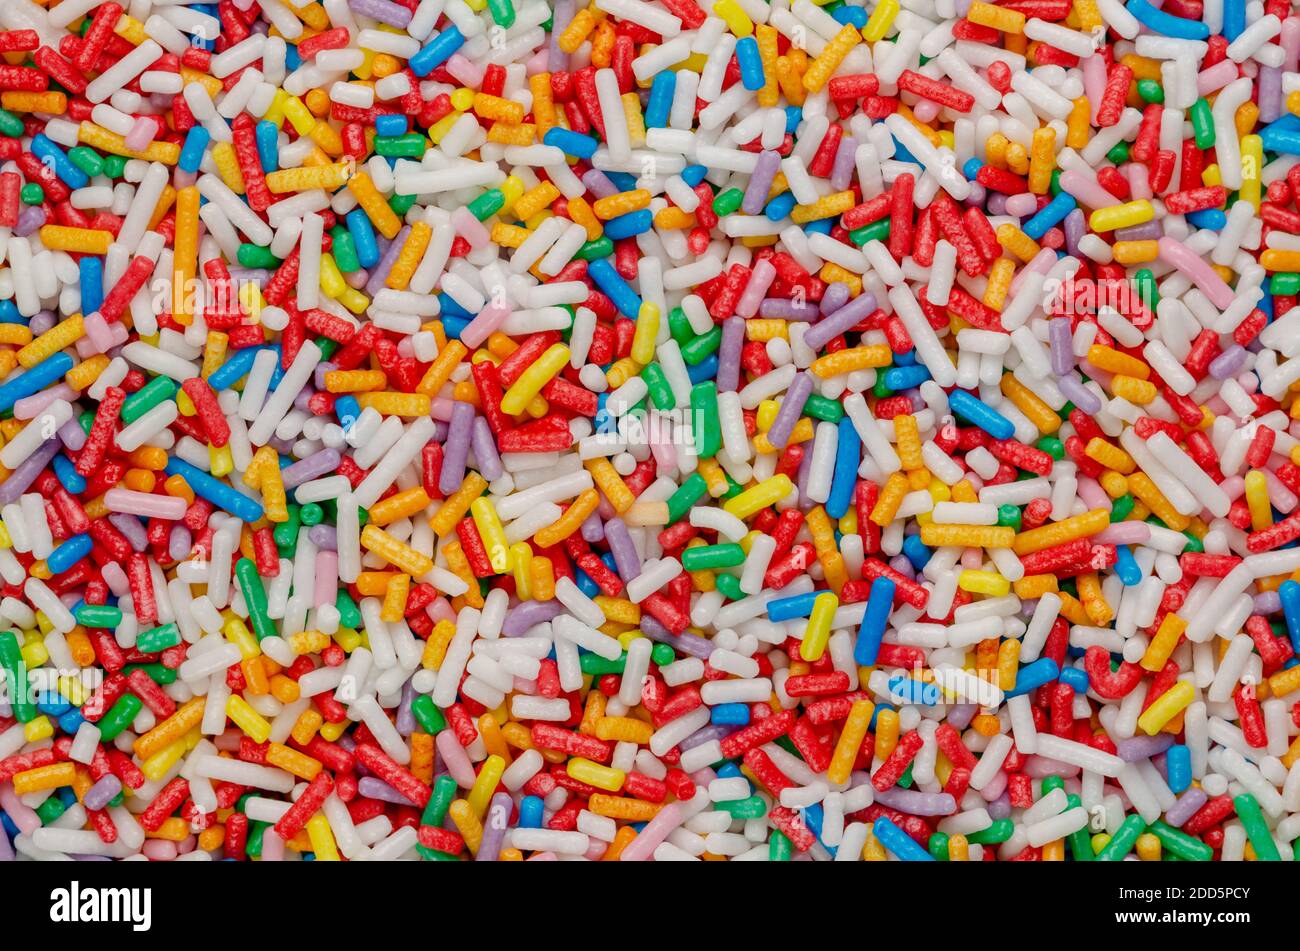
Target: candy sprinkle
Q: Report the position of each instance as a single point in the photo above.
(650, 429)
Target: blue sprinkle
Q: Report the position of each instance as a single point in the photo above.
(436, 52)
(1032, 676)
(1178, 763)
(69, 553)
(731, 714)
(215, 491)
(981, 414)
(629, 225)
(1126, 567)
(390, 125)
(795, 606)
(91, 271)
(53, 156)
(844, 481)
(1167, 24)
(67, 475)
(1051, 214)
(267, 139)
(750, 62)
(570, 142)
(363, 237)
(661, 100)
(899, 842)
(872, 629)
(694, 174)
(196, 143)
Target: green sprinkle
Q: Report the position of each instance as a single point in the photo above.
(119, 717)
(503, 12)
(256, 256)
(1121, 508)
(87, 160)
(156, 391)
(823, 408)
(158, 639)
(1202, 124)
(663, 655)
(699, 348)
(250, 585)
(706, 419)
(876, 231)
(1252, 820)
(98, 615)
(709, 557)
(344, 250)
(487, 204)
(1150, 91)
(999, 831)
(598, 666)
(410, 145)
(727, 202)
(729, 585)
(602, 247)
(428, 715)
(1122, 842)
(661, 394)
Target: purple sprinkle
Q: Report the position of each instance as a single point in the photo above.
(178, 542)
(130, 526)
(30, 219)
(315, 466)
(324, 536)
(1147, 231)
(623, 549)
(101, 794)
(783, 309)
(760, 182)
(1188, 804)
(1058, 336)
(835, 297)
(1000, 808)
(733, 339)
(456, 449)
(691, 644)
(842, 169)
(598, 183)
(1270, 93)
(1076, 227)
(1228, 363)
(529, 614)
(592, 529)
(706, 734)
(384, 11)
(405, 717)
(1267, 602)
(1137, 748)
(373, 788)
(1076, 393)
(27, 471)
(917, 803)
(485, 450)
(494, 827)
(839, 322)
(791, 406)
(380, 272)
(72, 435)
